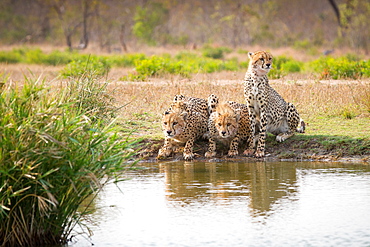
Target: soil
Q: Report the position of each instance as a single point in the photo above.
(292, 149)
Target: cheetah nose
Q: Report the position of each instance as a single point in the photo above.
(268, 65)
(169, 132)
(223, 133)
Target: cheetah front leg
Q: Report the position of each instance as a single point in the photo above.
(253, 123)
(211, 148)
(188, 150)
(166, 149)
(233, 150)
(260, 152)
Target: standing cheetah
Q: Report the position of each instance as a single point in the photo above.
(266, 106)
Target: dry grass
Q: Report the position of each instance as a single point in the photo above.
(323, 104)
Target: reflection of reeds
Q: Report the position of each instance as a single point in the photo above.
(52, 157)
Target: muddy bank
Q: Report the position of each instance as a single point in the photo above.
(294, 149)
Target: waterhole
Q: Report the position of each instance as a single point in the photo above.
(234, 204)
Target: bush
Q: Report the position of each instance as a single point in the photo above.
(10, 57)
(282, 65)
(340, 68)
(291, 66)
(215, 52)
(92, 66)
(128, 60)
(52, 159)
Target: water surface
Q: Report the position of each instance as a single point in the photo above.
(235, 204)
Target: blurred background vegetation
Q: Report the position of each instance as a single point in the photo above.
(121, 25)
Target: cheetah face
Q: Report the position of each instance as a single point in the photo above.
(173, 123)
(226, 124)
(260, 62)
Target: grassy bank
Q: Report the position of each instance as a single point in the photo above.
(337, 113)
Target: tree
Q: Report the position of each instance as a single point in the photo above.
(147, 20)
(69, 14)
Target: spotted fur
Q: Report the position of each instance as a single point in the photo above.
(266, 106)
(185, 121)
(228, 123)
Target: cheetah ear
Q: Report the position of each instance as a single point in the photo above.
(184, 115)
(166, 112)
(250, 54)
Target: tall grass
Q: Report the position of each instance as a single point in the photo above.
(53, 156)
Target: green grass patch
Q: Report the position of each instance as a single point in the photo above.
(185, 64)
(340, 68)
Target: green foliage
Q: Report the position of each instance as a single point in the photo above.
(347, 113)
(340, 68)
(147, 19)
(53, 157)
(183, 64)
(10, 57)
(91, 66)
(128, 60)
(282, 65)
(291, 66)
(215, 52)
(91, 97)
(37, 56)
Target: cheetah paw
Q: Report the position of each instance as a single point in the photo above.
(210, 154)
(188, 156)
(248, 152)
(260, 154)
(232, 153)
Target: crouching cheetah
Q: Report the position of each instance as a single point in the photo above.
(184, 122)
(228, 123)
(266, 106)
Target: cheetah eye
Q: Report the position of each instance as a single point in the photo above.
(219, 124)
(174, 123)
(165, 123)
(261, 59)
(228, 124)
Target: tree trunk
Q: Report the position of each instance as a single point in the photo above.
(122, 38)
(85, 37)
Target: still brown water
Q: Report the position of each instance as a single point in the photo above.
(235, 204)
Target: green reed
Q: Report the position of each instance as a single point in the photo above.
(52, 157)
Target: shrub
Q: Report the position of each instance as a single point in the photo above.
(128, 60)
(291, 66)
(215, 52)
(52, 159)
(59, 58)
(91, 65)
(10, 57)
(340, 68)
(276, 71)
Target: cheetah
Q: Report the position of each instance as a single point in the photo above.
(185, 121)
(266, 106)
(228, 123)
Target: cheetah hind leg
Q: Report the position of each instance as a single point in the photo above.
(283, 136)
(293, 120)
